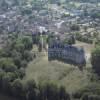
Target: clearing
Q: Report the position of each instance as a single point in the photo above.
(41, 70)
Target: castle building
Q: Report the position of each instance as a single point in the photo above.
(67, 53)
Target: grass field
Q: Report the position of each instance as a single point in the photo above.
(41, 70)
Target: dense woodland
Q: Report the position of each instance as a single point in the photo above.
(16, 54)
(13, 60)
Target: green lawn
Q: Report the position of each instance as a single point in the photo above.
(41, 70)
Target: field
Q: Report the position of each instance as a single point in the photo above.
(41, 70)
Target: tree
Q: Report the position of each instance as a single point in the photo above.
(6, 83)
(1, 77)
(27, 55)
(1, 53)
(24, 63)
(35, 38)
(95, 60)
(31, 90)
(52, 91)
(40, 47)
(19, 47)
(26, 11)
(27, 41)
(85, 28)
(21, 72)
(90, 97)
(48, 91)
(75, 27)
(17, 88)
(63, 94)
(70, 40)
(17, 62)
(7, 65)
(17, 58)
(42, 92)
(6, 52)
(4, 5)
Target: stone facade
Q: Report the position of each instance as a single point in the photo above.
(67, 53)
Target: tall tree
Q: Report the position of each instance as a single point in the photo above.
(95, 60)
